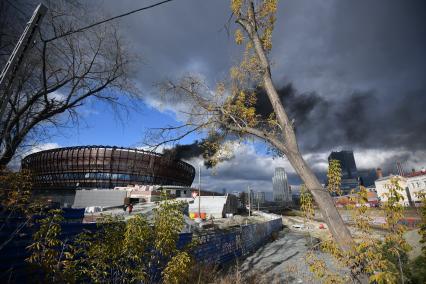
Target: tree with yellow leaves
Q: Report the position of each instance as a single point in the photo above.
(119, 251)
(230, 109)
(374, 259)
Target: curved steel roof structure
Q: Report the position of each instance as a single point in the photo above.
(104, 167)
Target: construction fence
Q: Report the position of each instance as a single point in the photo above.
(222, 246)
(216, 247)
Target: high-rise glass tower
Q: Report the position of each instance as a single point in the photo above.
(281, 189)
(347, 163)
(349, 171)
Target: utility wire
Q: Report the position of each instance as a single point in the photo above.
(16, 8)
(106, 20)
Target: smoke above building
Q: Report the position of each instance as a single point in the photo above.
(358, 120)
(186, 151)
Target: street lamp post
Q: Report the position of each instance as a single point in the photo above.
(258, 198)
(249, 200)
(199, 191)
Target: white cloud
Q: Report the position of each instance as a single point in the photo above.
(41, 147)
(159, 149)
(57, 96)
(373, 158)
(249, 167)
(15, 163)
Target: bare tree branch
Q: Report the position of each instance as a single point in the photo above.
(60, 76)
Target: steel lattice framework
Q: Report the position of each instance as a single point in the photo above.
(104, 167)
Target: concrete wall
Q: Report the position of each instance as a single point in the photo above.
(82, 198)
(416, 184)
(65, 198)
(101, 198)
(383, 183)
(220, 247)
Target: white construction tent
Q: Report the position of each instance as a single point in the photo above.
(214, 206)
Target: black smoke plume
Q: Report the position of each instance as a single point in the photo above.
(193, 150)
(297, 105)
(185, 152)
(368, 120)
(361, 119)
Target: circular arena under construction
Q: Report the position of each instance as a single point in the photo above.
(90, 167)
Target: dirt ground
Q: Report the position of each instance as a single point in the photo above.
(297, 223)
(283, 260)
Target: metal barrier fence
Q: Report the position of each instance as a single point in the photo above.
(13, 268)
(217, 247)
(220, 247)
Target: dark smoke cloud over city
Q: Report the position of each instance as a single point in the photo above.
(356, 120)
(186, 151)
(352, 74)
(132, 147)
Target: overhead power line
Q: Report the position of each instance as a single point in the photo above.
(107, 20)
(16, 8)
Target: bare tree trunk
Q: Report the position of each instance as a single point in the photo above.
(289, 145)
(324, 201)
(6, 157)
(322, 197)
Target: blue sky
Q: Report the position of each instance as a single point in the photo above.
(101, 125)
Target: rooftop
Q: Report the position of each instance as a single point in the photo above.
(415, 174)
(389, 177)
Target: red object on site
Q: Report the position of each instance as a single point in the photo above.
(321, 226)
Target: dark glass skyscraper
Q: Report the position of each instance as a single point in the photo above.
(367, 177)
(347, 163)
(349, 170)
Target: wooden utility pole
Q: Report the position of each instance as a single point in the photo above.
(15, 59)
